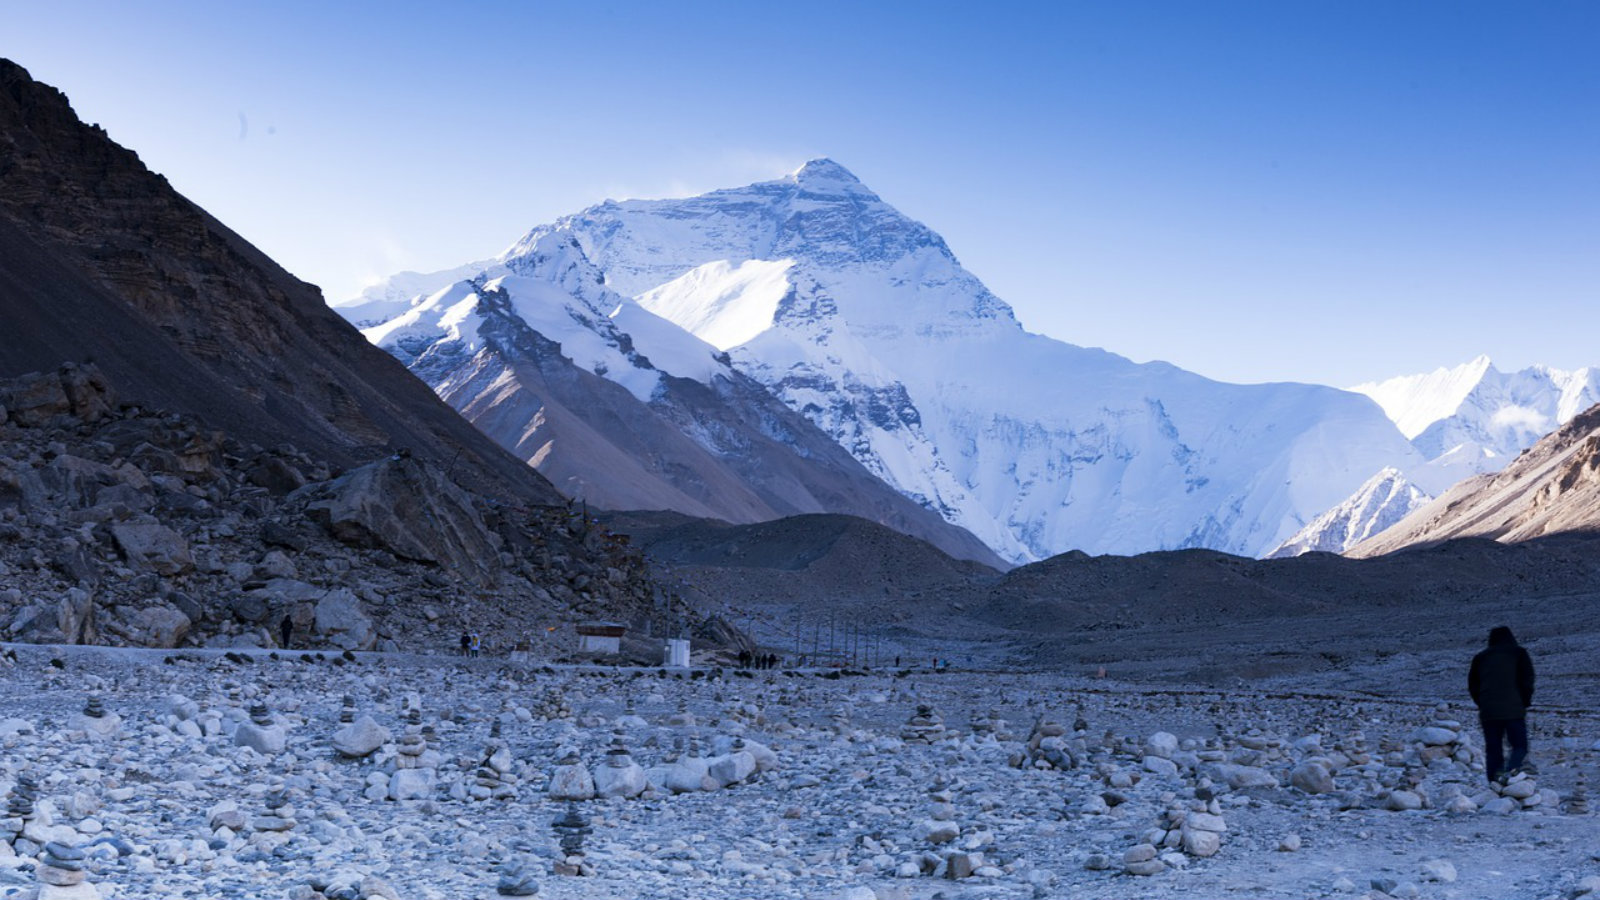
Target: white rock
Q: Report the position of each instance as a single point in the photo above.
(1403, 801)
(733, 768)
(412, 784)
(1290, 843)
(1500, 806)
(1162, 744)
(626, 782)
(690, 774)
(1439, 870)
(1433, 736)
(571, 783)
(360, 738)
(1520, 790)
(1161, 766)
(1201, 843)
(265, 739)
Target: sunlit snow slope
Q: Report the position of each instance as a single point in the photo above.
(863, 321)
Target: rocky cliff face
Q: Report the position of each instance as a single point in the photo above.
(100, 258)
(124, 525)
(1553, 488)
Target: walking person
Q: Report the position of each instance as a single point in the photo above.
(1501, 684)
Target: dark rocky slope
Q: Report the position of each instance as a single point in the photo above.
(120, 524)
(101, 259)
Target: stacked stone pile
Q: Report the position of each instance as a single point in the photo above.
(925, 726)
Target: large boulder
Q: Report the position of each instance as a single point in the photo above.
(408, 508)
(340, 619)
(153, 546)
(35, 399)
(1312, 776)
(163, 626)
(75, 616)
(89, 395)
(360, 738)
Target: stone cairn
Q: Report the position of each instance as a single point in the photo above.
(571, 828)
(19, 805)
(279, 815)
(62, 867)
(347, 712)
(570, 779)
(839, 721)
(409, 750)
(682, 718)
(620, 776)
(924, 727)
(517, 880)
(553, 705)
(493, 778)
(991, 724)
(1577, 803)
(1047, 746)
(95, 708)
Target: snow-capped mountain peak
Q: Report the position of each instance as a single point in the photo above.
(863, 321)
(1382, 501)
(1413, 402)
(824, 177)
(1477, 418)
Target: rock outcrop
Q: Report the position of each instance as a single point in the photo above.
(124, 525)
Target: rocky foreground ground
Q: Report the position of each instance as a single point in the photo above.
(140, 773)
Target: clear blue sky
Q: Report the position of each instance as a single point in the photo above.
(1314, 191)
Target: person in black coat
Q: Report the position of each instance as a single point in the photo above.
(1501, 683)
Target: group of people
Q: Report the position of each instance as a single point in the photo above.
(471, 643)
(750, 660)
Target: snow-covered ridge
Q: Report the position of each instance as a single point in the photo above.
(1382, 502)
(1475, 418)
(863, 321)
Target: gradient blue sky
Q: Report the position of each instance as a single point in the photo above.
(1312, 191)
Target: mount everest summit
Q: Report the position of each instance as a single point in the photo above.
(859, 322)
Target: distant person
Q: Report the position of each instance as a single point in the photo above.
(475, 645)
(1501, 683)
(285, 631)
(466, 643)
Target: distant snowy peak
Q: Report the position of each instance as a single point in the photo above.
(1477, 411)
(1413, 402)
(1381, 502)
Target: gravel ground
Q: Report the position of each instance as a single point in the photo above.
(847, 812)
